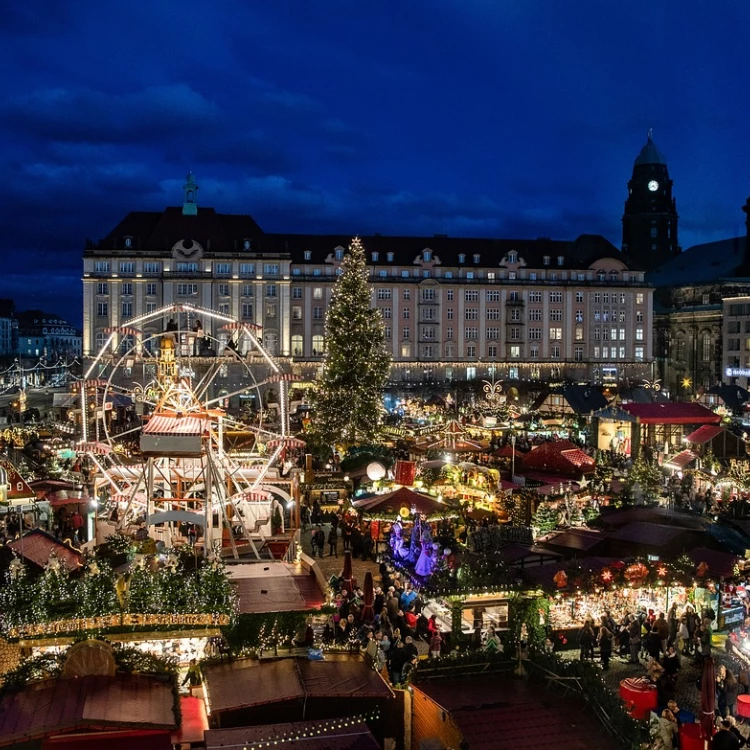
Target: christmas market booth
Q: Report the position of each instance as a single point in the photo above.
(170, 605)
(587, 589)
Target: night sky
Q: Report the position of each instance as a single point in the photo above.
(497, 118)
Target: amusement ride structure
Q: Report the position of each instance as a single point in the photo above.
(172, 466)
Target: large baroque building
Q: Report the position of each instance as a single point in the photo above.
(452, 307)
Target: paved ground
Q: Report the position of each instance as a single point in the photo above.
(334, 565)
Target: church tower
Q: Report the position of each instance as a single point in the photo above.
(649, 224)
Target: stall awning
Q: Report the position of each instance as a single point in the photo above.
(682, 460)
(704, 434)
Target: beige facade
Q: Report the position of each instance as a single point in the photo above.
(441, 322)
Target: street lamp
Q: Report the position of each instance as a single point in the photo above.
(513, 457)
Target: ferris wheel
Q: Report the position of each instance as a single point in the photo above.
(206, 430)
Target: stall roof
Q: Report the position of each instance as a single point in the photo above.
(244, 683)
(37, 546)
(672, 413)
(275, 587)
(614, 414)
(403, 497)
(719, 563)
(641, 532)
(579, 540)
(329, 734)
(480, 705)
(704, 434)
(558, 456)
(544, 575)
(53, 706)
(514, 552)
(682, 459)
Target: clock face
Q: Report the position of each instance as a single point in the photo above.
(653, 186)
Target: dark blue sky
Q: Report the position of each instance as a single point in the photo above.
(506, 118)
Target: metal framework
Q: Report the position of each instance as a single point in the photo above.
(181, 471)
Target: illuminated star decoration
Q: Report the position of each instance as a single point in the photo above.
(606, 575)
(686, 382)
(661, 571)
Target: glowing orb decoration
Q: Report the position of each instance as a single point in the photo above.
(404, 512)
(375, 471)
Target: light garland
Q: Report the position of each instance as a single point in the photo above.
(318, 729)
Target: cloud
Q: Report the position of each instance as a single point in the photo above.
(63, 114)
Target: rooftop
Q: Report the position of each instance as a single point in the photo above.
(488, 712)
(245, 683)
(322, 734)
(58, 705)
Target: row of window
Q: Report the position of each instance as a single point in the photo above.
(155, 267)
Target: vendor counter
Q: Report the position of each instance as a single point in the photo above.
(482, 612)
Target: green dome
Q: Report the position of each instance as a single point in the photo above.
(650, 154)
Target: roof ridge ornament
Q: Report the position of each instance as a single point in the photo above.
(650, 134)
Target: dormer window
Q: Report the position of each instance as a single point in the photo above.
(389, 256)
(461, 258)
(308, 255)
(476, 258)
(546, 260)
(512, 257)
(339, 253)
(601, 275)
(375, 257)
(427, 256)
(560, 260)
(613, 275)
(246, 244)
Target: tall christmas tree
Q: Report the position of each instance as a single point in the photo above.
(348, 400)
(545, 519)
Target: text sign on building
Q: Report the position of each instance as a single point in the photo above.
(737, 372)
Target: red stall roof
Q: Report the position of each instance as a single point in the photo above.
(37, 546)
(390, 502)
(704, 434)
(670, 413)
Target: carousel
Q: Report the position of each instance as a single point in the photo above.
(172, 468)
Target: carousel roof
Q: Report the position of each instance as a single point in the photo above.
(404, 497)
(452, 440)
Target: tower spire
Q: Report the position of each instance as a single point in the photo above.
(190, 189)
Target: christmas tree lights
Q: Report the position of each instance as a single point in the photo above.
(348, 400)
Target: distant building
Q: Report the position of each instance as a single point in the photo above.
(8, 328)
(44, 335)
(453, 308)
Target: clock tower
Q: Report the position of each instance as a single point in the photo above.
(649, 224)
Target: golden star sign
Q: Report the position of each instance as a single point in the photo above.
(686, 382)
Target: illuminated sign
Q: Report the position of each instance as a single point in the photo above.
(737, 372)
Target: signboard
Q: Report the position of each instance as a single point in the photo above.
(405, 472)
(737, 372)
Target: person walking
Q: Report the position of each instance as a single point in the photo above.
(436, 640)
(731, 690)
(333, 542)
(635, 639)
(605, 645)
(321, 540)
(586, 641)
